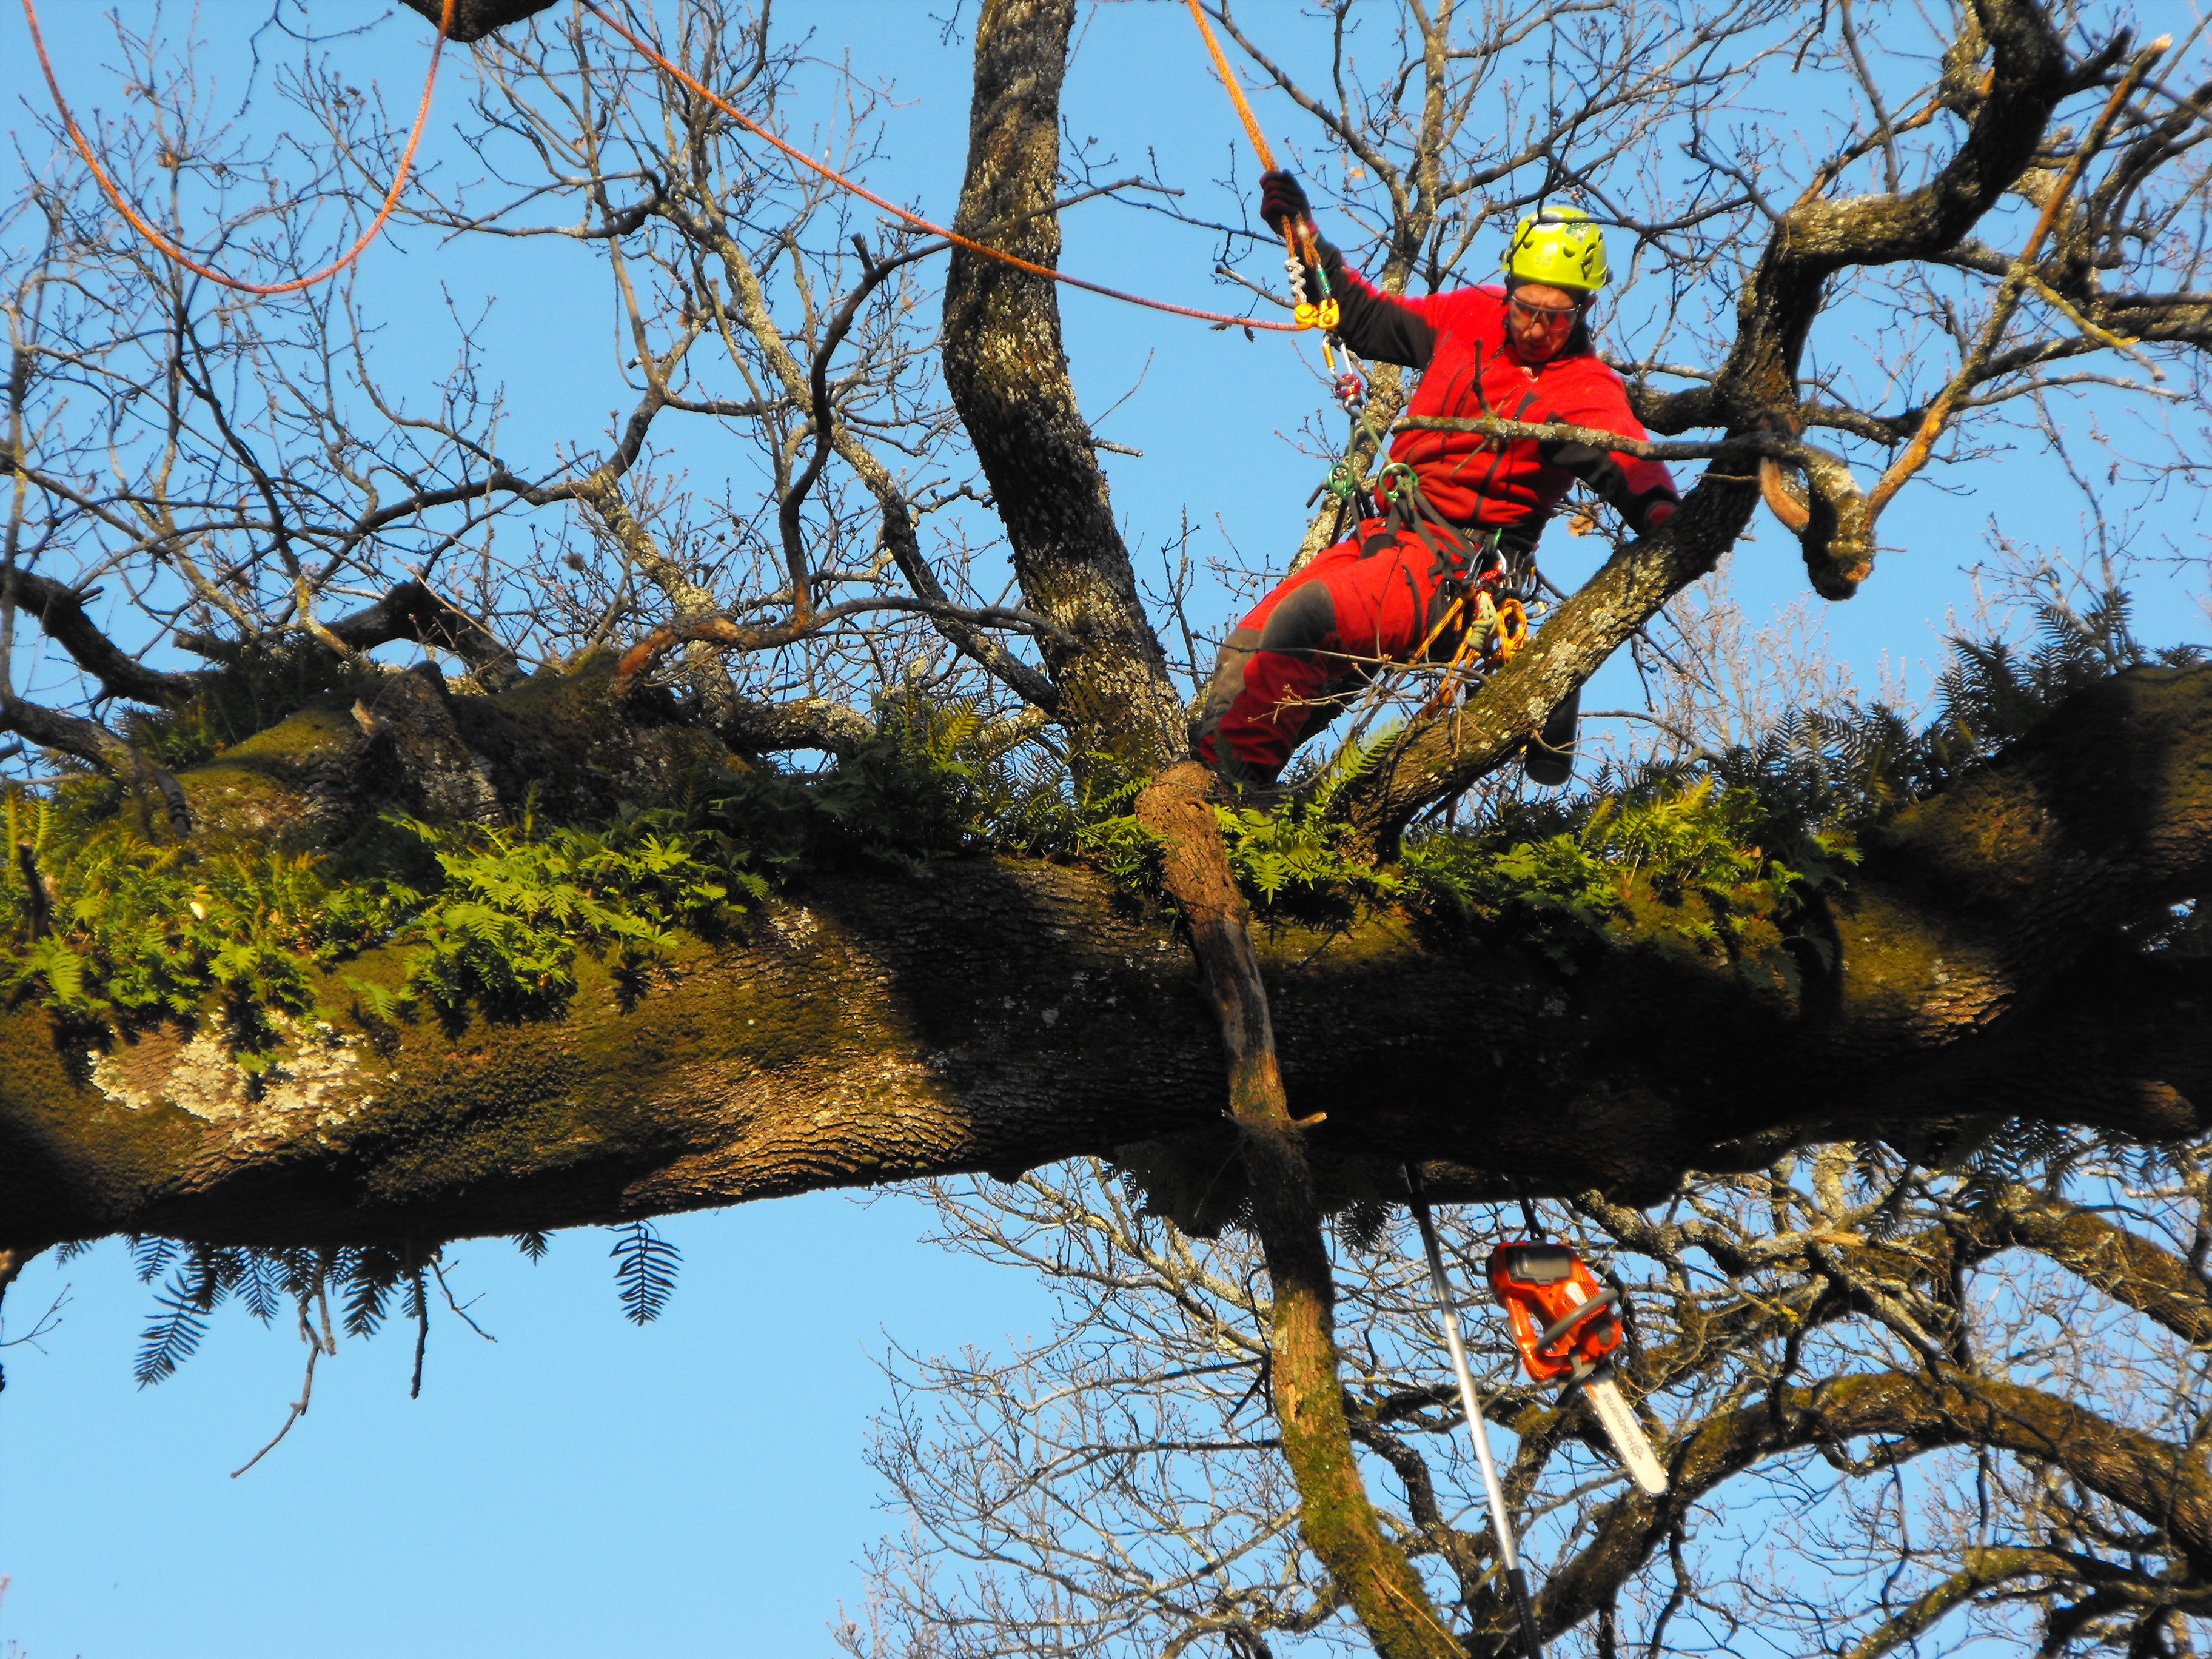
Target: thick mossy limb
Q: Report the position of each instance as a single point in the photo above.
(910, 1015)
(557, 739)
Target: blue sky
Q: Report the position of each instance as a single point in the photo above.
(584, 1488)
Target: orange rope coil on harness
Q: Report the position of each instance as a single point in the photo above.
(162, 243)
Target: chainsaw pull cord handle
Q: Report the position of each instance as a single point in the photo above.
(1501, 1519)
(1597, 1304)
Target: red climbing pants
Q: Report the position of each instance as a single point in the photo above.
(1290, 665)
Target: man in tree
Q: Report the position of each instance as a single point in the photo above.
(1456, 510)
(2007, 947)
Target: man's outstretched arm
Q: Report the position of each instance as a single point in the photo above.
(1376, 326)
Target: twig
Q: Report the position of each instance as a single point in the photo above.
(439, 1268)
(1672, 731)
(1496, 425)
(2009, 292)
(307, 1385)
(421, 1296)
(721, 630)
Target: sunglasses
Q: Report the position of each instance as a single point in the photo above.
(1549, 316)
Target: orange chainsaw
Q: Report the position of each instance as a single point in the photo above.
(1567, 1325)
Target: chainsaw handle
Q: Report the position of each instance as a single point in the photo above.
(1604, 1299)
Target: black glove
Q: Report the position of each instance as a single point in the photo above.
(1282, 198)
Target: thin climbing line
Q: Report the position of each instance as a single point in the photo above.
(139, 223)
(1220, 319)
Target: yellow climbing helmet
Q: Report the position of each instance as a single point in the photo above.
(1559, 246)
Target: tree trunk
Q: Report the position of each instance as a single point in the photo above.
(1007, 372)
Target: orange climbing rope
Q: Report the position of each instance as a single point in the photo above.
(1296, 242)
(675, 71)
(139, 223)
(1236, 92)
(686, 78)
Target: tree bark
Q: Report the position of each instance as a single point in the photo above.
(1335, 1517)
(1007, 372)
(997, 1014)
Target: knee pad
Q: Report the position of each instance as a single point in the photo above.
(1306, 617)
(1228, 665)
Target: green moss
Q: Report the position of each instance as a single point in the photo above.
(127, 931)
(248, 920)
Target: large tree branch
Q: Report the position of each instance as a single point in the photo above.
(412, 611)
(1002, 1014)
(759, 727)
(2105, 821)
(89, 740)
(1818, 236)
(1440, 758)
(59, 609)
(2131, 1270)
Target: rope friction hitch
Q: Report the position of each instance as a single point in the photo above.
(1566, 1326)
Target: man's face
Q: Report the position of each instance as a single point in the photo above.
(1540, 319)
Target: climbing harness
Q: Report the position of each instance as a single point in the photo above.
(1501, 1518)
(1485, 594)
(114, 193)
(1482, 599)
(1567, 1326)
(1346, 480)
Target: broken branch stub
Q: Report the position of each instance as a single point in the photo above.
(1832, 519)
(475, 19)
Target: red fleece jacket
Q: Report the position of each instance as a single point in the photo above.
(1468, 368)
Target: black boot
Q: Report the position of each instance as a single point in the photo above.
(1549, 759)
